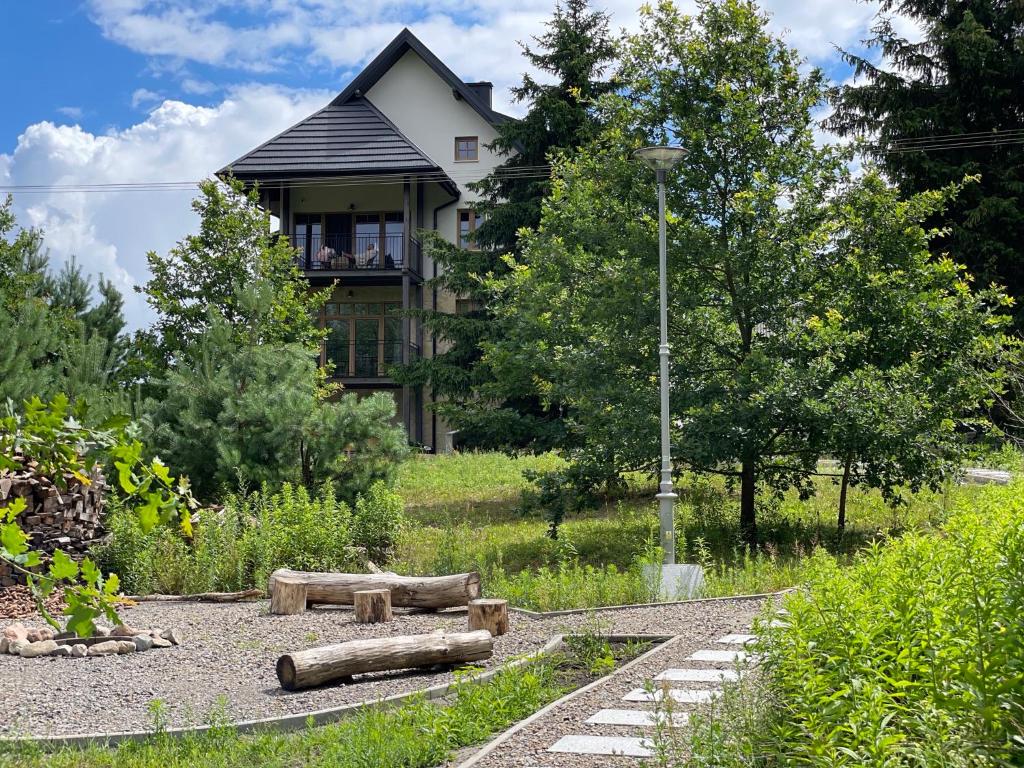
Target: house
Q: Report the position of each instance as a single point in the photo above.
(352, 184)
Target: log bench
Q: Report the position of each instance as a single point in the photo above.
(291, 591)
(316, 666)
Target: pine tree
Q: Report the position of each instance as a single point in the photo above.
(575, 50)
(948, 108)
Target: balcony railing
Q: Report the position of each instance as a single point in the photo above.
(353, 252)
(365, 359)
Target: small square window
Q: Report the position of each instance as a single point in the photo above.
(467, 148)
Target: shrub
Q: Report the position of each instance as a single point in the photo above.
(378, 522)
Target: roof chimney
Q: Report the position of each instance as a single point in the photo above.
(482, 91)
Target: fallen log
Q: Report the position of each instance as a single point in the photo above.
(406, 591)
(305, 669)
(200, 597)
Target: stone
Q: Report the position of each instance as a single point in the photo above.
(60, 650)
(33, 635)
(736, 639)
(678, 695)
(699, 675)
(39, 648)
(142, 642)
(78, 650)
(125, 646)
(4, 643)
(16, 632)
(106, 648)
(174, 635)
(101, 631)
(678, 581)
(603, 745)
(636, 717)
(723, 657)
(123, 630)
(15, 646)
(159, 642)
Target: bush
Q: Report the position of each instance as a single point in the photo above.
(238, 546)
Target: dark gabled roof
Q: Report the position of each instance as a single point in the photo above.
(406, 41)
(353, 137)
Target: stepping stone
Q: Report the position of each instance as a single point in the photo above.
(679, 695)
(638, 717)
(729, 657)
(699, 675)
(737, 639)
(602, 745)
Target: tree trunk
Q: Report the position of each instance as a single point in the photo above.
(406, 591)
(373, 606)
(288, 596)
(843, 486)
(748, 496)
(316, 666)
(491, 615)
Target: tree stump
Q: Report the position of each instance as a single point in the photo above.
(373, 606)
(489, 614)
(288, 596)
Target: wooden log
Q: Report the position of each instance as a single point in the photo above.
(372, 605)
(305, 669)
(200, 597)
(489, 614)
(287, 596)
(406, 591)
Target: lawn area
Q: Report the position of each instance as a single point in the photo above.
(465, 513)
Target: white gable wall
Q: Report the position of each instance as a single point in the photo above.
(421, 104)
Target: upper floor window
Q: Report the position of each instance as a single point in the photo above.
(467, 148)
(468, 221)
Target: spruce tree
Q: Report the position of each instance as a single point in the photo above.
(575, 50)
(950, 106)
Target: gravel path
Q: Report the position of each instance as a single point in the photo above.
(226, 663)
(701, 624)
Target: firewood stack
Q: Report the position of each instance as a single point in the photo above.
(68, 518)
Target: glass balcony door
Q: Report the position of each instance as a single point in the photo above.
(363, 338)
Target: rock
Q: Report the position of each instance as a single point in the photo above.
(125, 646)
(40, 648)
(33, 635)
(101, 631)
(123, 630)
(104, 649)
(143, 642)
(16, 632)
(174, 635)
(46, 633)
(15, 646)
(4, 642)
(60, 650)
(159, 642)
(78, 651)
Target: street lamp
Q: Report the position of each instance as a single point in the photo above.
(662, 160)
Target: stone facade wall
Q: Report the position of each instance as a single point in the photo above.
(67, 518)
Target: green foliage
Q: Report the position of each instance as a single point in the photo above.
(239, 545)
(949, 92)
(419, 734)
(234, 246)
(252, 410)
(51, 434)
(500, 412)
(862, 333)
(910, 657)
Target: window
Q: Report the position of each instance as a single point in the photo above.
(468, 306)
(467, 221)
(467, 149)
(363, 338)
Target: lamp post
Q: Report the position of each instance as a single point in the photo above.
(662, 160)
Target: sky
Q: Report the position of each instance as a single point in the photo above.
(113, 91)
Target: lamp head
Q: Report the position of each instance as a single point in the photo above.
(660, 158)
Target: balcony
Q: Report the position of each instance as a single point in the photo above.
(366, 362)
(360, 254)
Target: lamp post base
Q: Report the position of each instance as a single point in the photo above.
(666, 516)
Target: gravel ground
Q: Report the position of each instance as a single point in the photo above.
(699, 626)
(227, 663)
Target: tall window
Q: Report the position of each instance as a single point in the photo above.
(363, 338)
(467, 220)
(467, 148)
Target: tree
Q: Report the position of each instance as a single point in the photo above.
(234, 246)
(575, 51)
(237, 406)
(947, 107)
(762, 268)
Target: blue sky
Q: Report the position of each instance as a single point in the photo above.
(109, 91)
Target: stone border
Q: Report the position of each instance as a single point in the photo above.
(293, 722)
(501, 738)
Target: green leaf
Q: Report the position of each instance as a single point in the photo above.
(90, 573)
(81, 621)
(124, 477)
(15, 508)
(149, 513)
(13, 539)
(112, 585)
(63, 567)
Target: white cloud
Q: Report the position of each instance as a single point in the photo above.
(143, 96)
(75, 113)
(110, 232)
